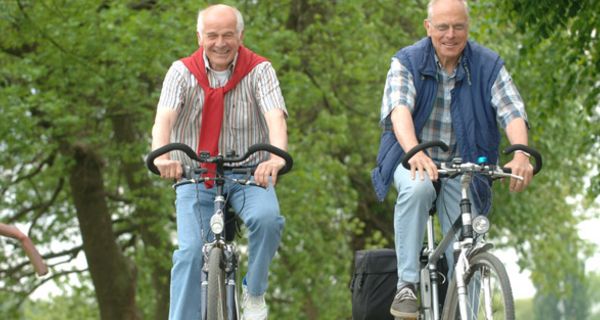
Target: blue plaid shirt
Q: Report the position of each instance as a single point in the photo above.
(400, 92)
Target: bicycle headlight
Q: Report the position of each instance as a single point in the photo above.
(481, 224)
(216, 223)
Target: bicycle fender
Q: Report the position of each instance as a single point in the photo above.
(480, 248)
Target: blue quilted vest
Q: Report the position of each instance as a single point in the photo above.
(473, 117)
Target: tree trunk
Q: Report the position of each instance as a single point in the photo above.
(148, 218)
(112, 274)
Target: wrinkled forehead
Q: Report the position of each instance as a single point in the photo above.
(448, 11)
(219, 19)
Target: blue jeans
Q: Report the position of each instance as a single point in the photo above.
(415, 199)
(259, 210)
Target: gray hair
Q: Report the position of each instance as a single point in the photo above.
(238, 15)
(432, 2)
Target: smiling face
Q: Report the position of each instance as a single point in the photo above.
(448, 27)
(219, 36)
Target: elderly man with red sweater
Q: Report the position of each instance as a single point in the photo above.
(222, 98)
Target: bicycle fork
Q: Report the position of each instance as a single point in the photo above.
(230, 282)
(230, 260)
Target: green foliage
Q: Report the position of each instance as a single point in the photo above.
(333, 97)
(552, 53)
(594, 294)
(77, 302)
(575, 305)
(523, 308)
(69, 81)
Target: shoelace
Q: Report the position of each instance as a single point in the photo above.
(405, 294)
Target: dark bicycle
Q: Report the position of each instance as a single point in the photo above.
(218, 278)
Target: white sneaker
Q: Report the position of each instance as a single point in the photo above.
(253, 307)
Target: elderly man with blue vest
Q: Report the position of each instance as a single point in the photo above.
(443, 87)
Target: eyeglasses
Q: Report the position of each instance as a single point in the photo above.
(444, 27)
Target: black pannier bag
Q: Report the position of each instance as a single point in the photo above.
(373, 284)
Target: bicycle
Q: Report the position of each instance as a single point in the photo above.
(480, 287)
(218, 278)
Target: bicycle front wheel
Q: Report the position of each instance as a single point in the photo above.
(489, 295)
(216, 302)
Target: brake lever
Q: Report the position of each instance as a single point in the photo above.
(510, 175)
(248, 182)
(506, 173)
(183, 182)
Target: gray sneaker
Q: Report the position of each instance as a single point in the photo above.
(405, 303)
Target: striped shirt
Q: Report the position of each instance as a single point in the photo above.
(243, 116)
(400, 91)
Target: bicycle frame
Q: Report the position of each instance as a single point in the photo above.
(462, 248)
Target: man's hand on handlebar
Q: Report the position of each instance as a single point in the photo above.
(280, 163)
(269, 168)
(169, 169)
(421, 162)
(520, 166)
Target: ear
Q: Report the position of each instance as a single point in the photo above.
(199, 38)
(242, 36)
(427, 26)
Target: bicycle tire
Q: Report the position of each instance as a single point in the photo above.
(500, 305)
(216, 308)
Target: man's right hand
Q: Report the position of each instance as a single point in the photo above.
(169, 169)
(423, 163)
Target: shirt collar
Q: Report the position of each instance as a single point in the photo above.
(441, 68)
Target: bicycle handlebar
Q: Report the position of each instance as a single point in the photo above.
(422, 146)
(289, 162)
(534, 153)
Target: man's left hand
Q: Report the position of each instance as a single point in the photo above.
(269, 168)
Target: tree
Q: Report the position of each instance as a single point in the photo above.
(558, 63)
(72, 146)
(574, 305)
(594, 294)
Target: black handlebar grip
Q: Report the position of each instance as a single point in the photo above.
(289, 162)
(167, 148)
(421, 147)
(534, 153)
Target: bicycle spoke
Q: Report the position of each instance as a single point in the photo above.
(489, 295)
